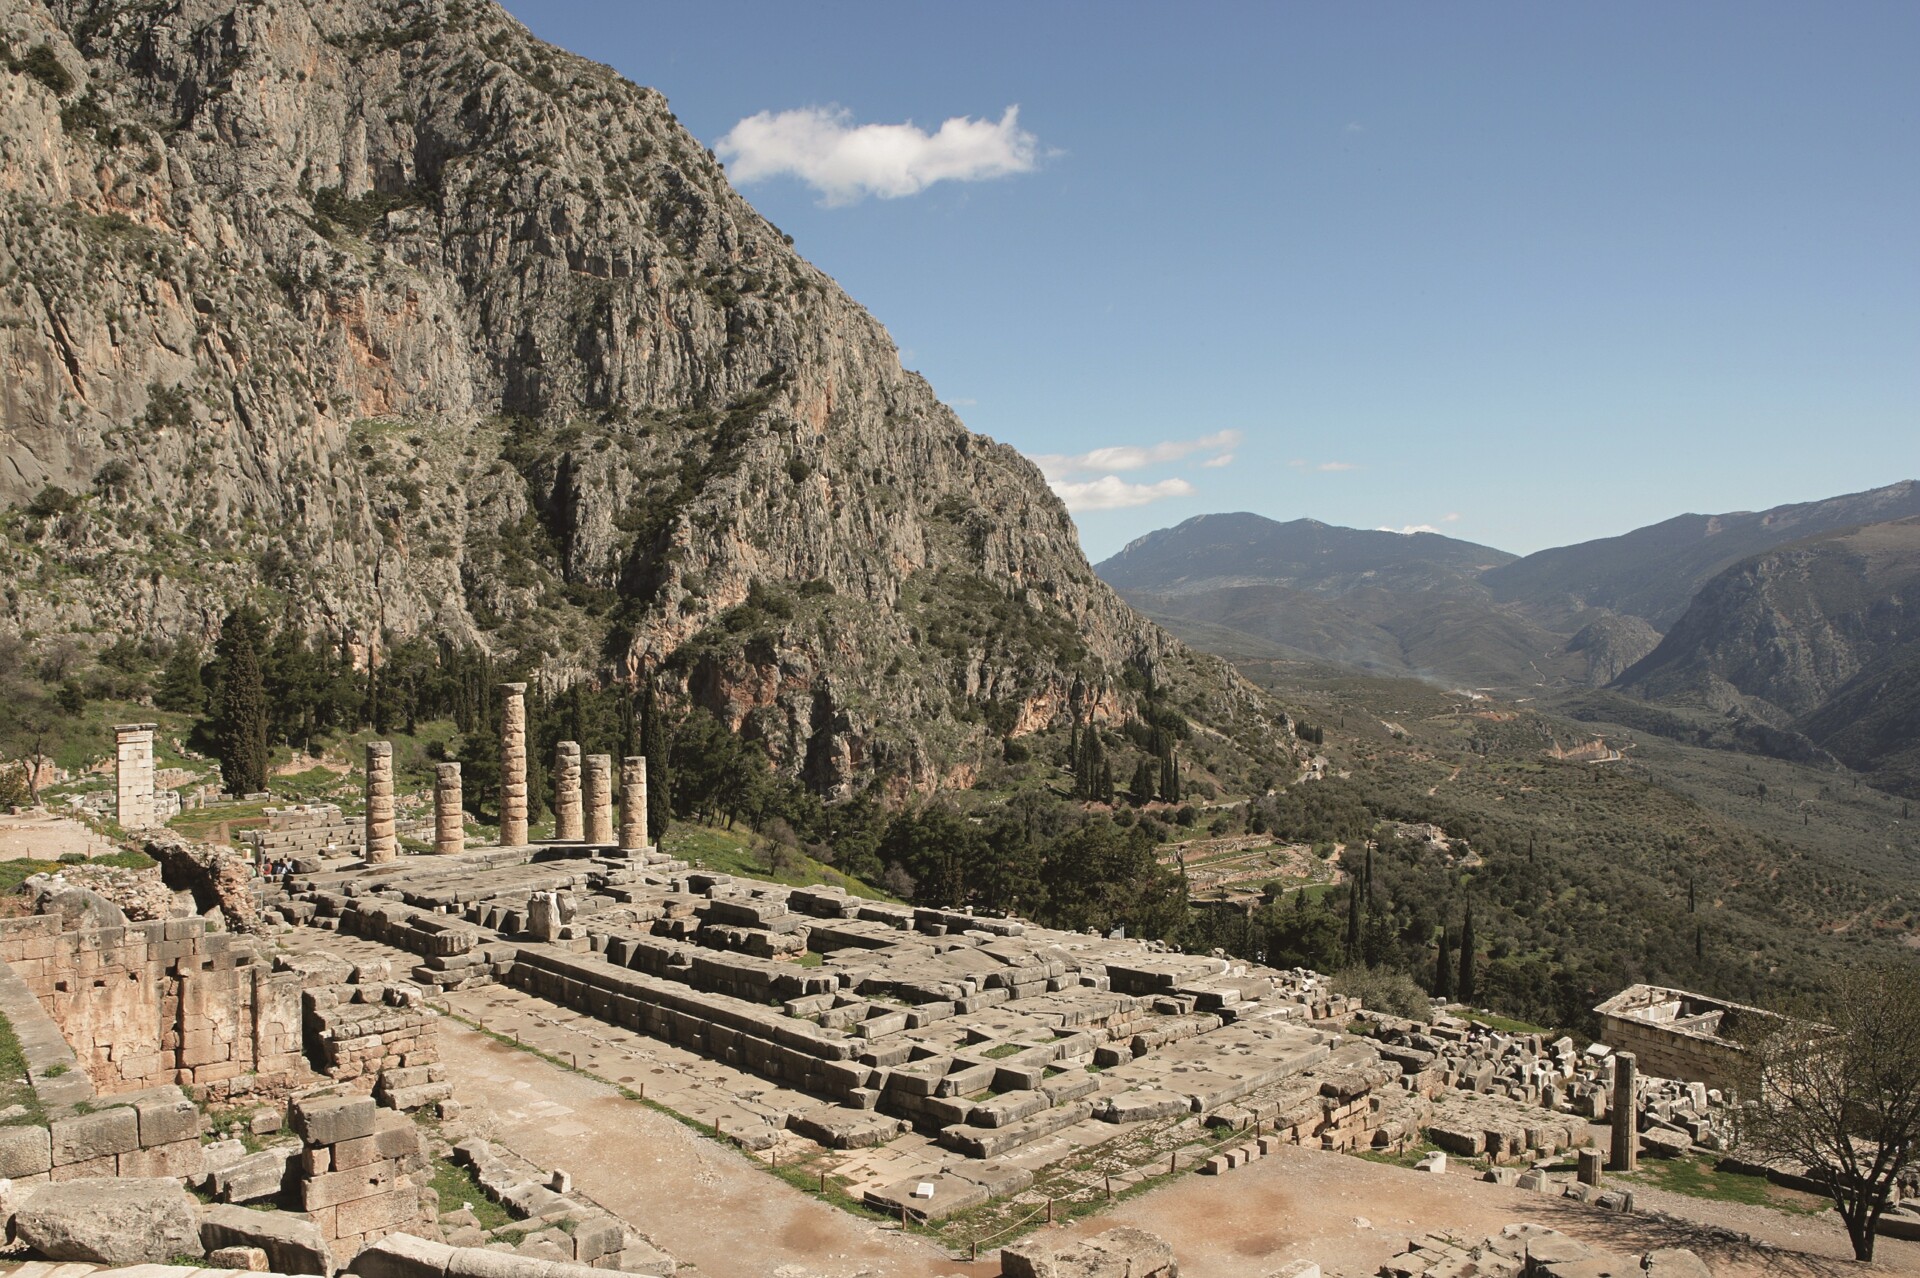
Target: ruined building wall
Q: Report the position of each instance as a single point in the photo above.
(161, 1002)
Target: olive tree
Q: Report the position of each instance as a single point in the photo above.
(1842, 1094)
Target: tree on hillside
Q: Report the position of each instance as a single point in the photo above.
(240, 717)
(1141, 791)
(28, 720)
(1843, 1097)
(1464, 988)
(1443, 968)
(653, 744)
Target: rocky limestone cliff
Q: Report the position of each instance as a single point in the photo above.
(413, 324)
(1817, 637)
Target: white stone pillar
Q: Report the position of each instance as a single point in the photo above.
(513, 765)
(597, 788)
(133, 775)
(383, 844)
(449, 822)
(633, 805)
(567, 820)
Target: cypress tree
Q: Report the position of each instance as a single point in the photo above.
(240, 729)
(1443, 967)
(653, 744)
(1141, 791)
(1353, 921)
(1699, 942)
(1463, 989)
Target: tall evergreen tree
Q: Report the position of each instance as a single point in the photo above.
(1443, 967)
(240, 725)
(653, 744)
(1141, 791)
(1353, 921)
(1464, 988)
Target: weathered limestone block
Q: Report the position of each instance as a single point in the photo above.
(25, 1152)
(89, 1136)
(294, 1245)
(513, 765)
(383, 843)
(567, 821)
(328, 1120)
(597, 797)
(263, 1175)
(110, 1221)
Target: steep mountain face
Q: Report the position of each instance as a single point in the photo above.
(1821, 637)
(418, 325)
(1654, 572)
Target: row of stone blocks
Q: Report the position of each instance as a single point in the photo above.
(149, 1133)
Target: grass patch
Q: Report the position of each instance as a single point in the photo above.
(1004, 1050)
(456, 1186)
(809, 958)
(1698, 1178)
(735, 852)
(1505, 1024)
(14, 873)
(202, 824)
(15, 1087)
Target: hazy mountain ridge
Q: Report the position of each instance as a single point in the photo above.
(1655, 571)
(422, 326)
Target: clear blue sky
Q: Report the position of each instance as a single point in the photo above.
(1555, 271)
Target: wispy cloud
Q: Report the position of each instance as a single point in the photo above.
(1126, 457)
(1409, 529)
(1452, 517)
(846, 162)
(1110, 492)
(1337, 466)
(1214, 463)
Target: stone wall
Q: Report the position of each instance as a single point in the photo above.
(1677, 1034)
(161, 1002)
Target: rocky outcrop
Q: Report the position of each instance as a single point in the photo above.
(218, 878)
(433, 328)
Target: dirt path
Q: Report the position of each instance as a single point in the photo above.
(705, 1203)
(42, 836)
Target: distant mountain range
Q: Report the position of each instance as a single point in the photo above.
(1803, 618)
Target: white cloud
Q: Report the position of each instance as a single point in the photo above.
(1451, 518)
(1110, 492)
(1337, 466)
(846, 162)
(1409, 529)
(1213, 463)
(1123, 457)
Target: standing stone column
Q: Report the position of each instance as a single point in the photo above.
(382, 843)
(566, 792)
(449, 822)
(133, 775)
(633, 805)
(597, 783)
(1626, 1114)
(513, 765)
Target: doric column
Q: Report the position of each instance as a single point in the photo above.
(633, 805)
(133, 775)
(382, 843)
(449, 822)
(1626, 1113)
(513, 765)
(566, 792)
(597, 785)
